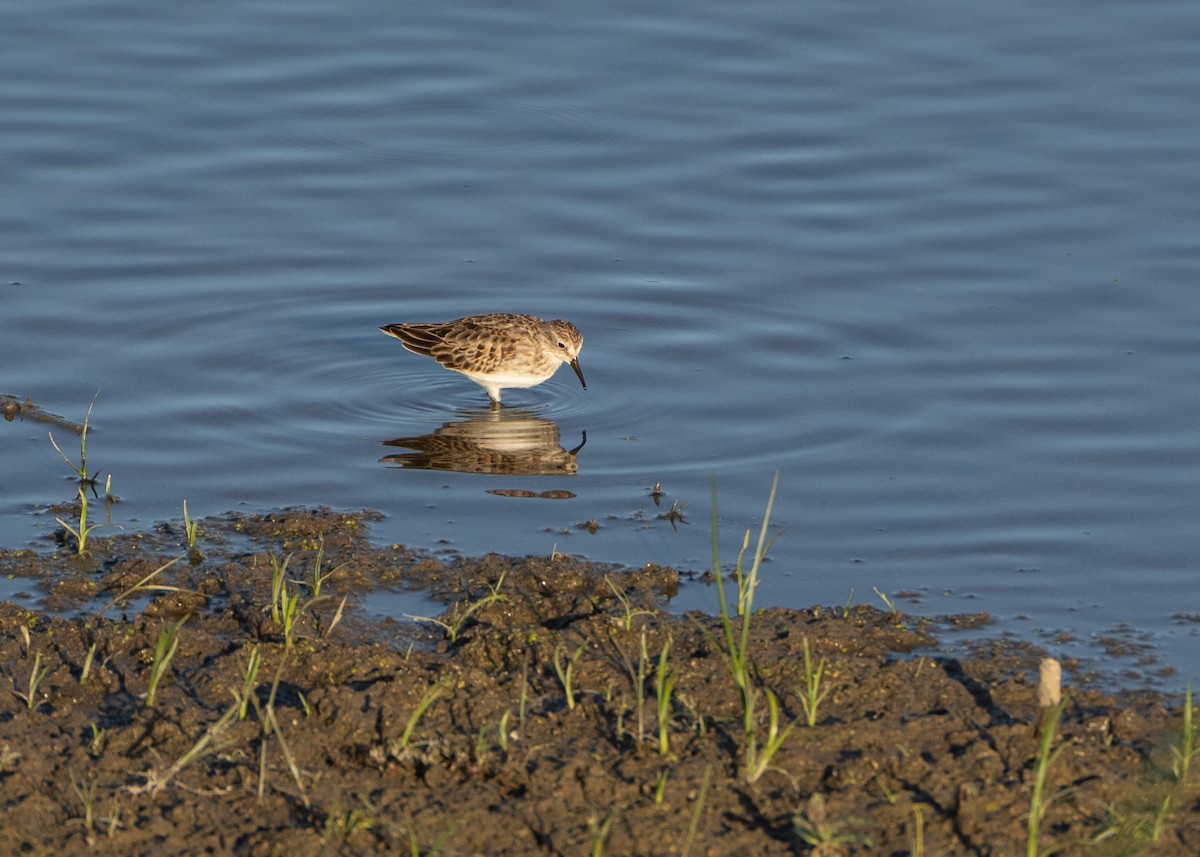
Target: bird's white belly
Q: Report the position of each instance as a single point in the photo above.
(509, 379)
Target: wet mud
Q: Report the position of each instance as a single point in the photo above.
(234, 697)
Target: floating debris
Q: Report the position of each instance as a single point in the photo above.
(14, 407)
(538, 495)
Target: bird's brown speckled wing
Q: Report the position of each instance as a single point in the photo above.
(475, 343)
(417, 338)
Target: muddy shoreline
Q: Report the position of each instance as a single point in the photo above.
(553, 708)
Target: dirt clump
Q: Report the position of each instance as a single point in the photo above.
(251, 707)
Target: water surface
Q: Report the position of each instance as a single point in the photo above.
(936, 265)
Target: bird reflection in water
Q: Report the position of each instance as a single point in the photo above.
(508, 441)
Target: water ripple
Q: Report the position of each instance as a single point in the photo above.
(463, 129)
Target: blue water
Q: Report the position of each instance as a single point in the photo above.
(935, 262)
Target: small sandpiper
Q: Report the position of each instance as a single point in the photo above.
(497, 350)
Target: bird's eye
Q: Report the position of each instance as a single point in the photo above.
(563, 346)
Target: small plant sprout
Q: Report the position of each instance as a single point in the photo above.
(737, 642)
(694, 710)
(87, 796)
(164, 650)
(319, 577)
(502, 730)
(638, 672)
(270, 724)
(144, 585)
(458, 616)
(249, 683)
(744, 589)
(207, 743)
(888, 794)
(82, 529)
(826, 837)
(88, 660)
(1050, 709)
(811, 695)
(289, 611)
(600, 832)
(191, 529)
(1133, 828)
(523, 702)
(1161, 818)
(36, 675)
(114, 820)
(285, 600)
(639, 688)
(619, 727)
(99, 739)
(86, 792)
(698, 810)
(247, 697)
(660, 785)
(434, 850)
(9, 759)
(279, 593)
(435, 690)
(892, 612)
(1185, 751)
(482, 750)
(80, 470)
(917, 840)
(347, 822)
(734, 645)
(759, 753)
(565, 672)
(337, 616)
(626, 606)
(664, 685)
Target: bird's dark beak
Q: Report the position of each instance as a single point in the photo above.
(579, 372)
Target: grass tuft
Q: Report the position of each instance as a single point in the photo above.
(88, 660)
(734, 644)
(698, 811)
(1185, 750)
(566, 672)
(144, 585)
(423, 704)
(457, 617)
(600, 831)
(36, 675)
(81, 530)
(811, 695)
(630, 612)
(664, 686)
(191, 529)
(164, 650)
(825, 836)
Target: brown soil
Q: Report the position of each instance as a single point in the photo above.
(912, 752)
